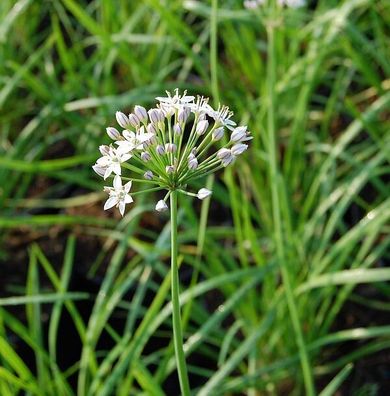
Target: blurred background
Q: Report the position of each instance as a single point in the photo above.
(300, 225)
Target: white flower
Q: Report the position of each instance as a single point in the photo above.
(118, 195)
(111, 161)
(161, 206)
(240, 134)
(222, 116)
(133, 140)
(122, 119)
(176, 100)
(204, 193)
(200, 107)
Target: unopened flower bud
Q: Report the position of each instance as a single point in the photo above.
(160, 149)
(201, 127)
(169, 169)
(183, 114)
(218, 134)
(191, 156)
(226, 156)
(148, 175)
(193, 163)
(161, 206)
(104, 150)
(122, 119)
(156, 116)
(223, 153)
(134, 121)
(240, 134)
(204, 193)
(145, 156)
(113, 133)
(239, 148)
(151, 129)
(177, 129)
(170, 148)
(141, 113)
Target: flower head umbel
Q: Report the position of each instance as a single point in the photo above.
(168, 147)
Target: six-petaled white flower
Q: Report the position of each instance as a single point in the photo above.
(111, 161)
(118, 195)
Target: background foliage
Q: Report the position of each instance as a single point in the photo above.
(85, 295)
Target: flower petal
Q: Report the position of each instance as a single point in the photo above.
(117, 182)
(112, 201)
(107, 172)
(128, 199)
(128, 186)
(121, 207)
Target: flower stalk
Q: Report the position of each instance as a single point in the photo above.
(152, 146)
(176, 316)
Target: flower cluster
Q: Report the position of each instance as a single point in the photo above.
(168, 147)
(253, 4)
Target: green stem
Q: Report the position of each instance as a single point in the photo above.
(277, 217)
(177, 328)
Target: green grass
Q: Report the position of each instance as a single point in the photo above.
(294, 235)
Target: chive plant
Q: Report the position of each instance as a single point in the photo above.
(154, 148)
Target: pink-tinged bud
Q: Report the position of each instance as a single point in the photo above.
(170, 148)
(122, 119)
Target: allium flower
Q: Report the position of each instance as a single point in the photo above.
(111, 160)
(118, 195)
(169, 146)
